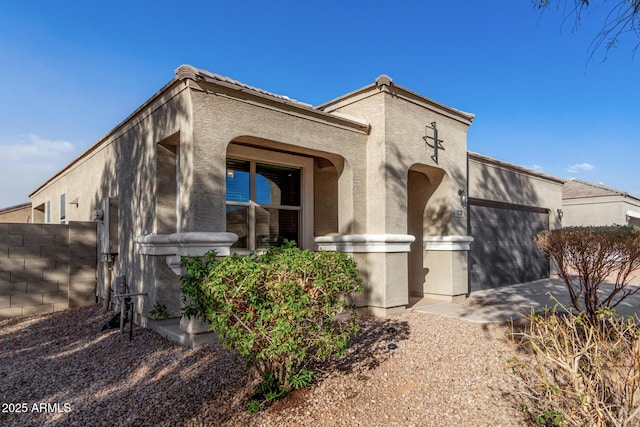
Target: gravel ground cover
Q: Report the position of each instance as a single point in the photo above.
(60, 369)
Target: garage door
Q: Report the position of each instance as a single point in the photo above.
(503, 251)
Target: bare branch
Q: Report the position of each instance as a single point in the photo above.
(621, 20)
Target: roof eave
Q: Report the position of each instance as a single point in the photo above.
(501, 163)
(111, 133)
(385, 84)
(188, 72)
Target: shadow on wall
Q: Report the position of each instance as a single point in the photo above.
(439, 212)
(130, 174)
(503, 185)
(503, 251)
(423, 197)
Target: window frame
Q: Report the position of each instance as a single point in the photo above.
(267, 157)
(63, 208)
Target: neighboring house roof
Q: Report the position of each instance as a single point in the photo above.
(17, 213)
(577, 189)
(15, 208)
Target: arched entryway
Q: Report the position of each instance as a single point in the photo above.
(428, 214)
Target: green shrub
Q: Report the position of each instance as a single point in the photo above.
(277, 309)
(159, 311)
(595, 255)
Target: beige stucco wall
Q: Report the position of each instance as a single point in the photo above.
(222, 116)
(370, 166)
(491, 179)
(166, 164)
(83, 183)
(126, 165)
(398, 119)
(602, 210)
(123, 165)
(396, 145)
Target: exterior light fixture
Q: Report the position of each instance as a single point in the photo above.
(230, 174)
(463, 197)
(98, 215)
(560, 214)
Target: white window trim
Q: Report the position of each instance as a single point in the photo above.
(633, 214)
(633, 217)
(242, 152)
(63, 208)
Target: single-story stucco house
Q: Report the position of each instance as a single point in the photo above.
(18, 213)
(584, 203)
(382, 173)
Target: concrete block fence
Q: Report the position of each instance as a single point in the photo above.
(46, 267)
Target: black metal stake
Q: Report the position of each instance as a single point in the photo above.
(131, 326)
(122, 314)
(126, 303)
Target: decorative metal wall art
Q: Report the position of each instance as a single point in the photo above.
(433, 141)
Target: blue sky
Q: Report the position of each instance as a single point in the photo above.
(72, 70)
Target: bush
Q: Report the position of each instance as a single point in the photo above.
(278, 309)
(581, 373)
(159, 312)
(594, 254)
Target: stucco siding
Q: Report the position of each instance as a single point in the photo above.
(122, 165)
(396, 146)
(607, 210)
(220, 119)
(407, 125)
(368, 172)
(501, 182)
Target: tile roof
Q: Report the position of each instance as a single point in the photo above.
(15, 208)
(196, 74)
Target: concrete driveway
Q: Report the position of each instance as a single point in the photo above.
(513, 302)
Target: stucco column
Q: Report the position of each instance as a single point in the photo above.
(378, 257)
(172, 247)
(352, 200)
(446, 261)
(203, 207)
